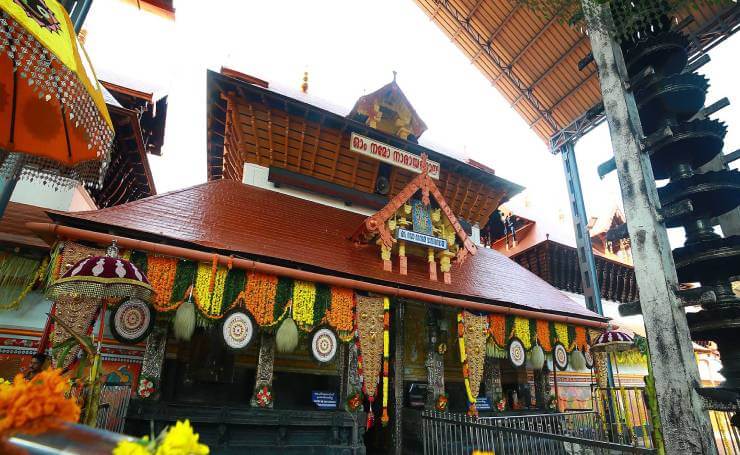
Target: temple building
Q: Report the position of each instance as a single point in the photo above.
(331, 263)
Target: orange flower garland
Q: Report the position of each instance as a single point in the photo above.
(543, 335)
(35, 406)
(161, 273)
(340, 316)
(497, 328)
(260, 297)
(580, 341)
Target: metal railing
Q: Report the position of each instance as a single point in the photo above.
(726, 436)
(629, 419)
(114, 399)
(562, 433)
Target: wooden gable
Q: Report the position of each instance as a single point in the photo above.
(382, 226)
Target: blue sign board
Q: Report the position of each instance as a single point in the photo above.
(421, 239)
(324, 400)
(482, 404)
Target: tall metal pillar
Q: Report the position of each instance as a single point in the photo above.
(686, 426)
(586, 261)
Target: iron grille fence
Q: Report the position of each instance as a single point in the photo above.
(561, 433)
(114, 400)
(629, 420)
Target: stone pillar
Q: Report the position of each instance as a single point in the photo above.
(434, 361)
(397, 327)
(541, 387)
(342, 370)
(492, 380)
(151, 366)
(265, 364)
(354, 384)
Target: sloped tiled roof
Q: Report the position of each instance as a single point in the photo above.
(239, 219)
(13, 231)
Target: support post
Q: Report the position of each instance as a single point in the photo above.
(434, 362)
(265, 365)
(397, 323)
(151, 366)
(685, 424)
(492, 380)
(586, 261)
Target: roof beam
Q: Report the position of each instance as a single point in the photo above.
(486, 46)
(498, 29)
(565, 96)
(467, 18)
(533, 40)
(550, 68)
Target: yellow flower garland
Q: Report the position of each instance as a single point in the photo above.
(209, 303)
(521, 331)
(304, 297)
(561, 332)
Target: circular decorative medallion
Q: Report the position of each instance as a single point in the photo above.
(324, 345)
(589, 359)
(131, 321)
(517, 353)
(237, 329)
(560, 356)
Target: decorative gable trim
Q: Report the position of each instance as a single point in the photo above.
(377, 225)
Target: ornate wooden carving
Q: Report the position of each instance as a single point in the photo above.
(492, 380)
(265, 364)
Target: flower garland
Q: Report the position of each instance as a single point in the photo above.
(497, 329)
(472, 411)
(521, 331)
(38, 276)
(209, 289)
(386, 355)
(341, 312)
(580, 340)
(304, 298)
(177, 440)
(184, 277)
(322, 303)
(161, 272)
(561, 333)
(233, 287)
(264, 397)
(543, 335)
(35, 406)
(260, 297)
(441, 403)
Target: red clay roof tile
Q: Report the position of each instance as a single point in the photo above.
(240, 218)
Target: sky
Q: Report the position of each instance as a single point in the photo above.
(349, 48)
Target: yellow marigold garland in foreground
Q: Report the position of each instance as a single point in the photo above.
(35, 406)
(175, 440)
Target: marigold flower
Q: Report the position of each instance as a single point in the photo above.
(181, 440)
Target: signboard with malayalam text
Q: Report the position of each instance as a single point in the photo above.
(391, 155)
(483, 404)
(324, 400)
(421, 239)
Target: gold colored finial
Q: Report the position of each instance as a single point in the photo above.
(304, 86)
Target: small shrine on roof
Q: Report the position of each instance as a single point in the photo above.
(388, 110)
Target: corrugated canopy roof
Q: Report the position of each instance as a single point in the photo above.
(533, 61)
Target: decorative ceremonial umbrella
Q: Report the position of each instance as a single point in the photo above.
(613, 341)
(102, 276)
(54, 125)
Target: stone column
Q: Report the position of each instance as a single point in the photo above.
(265, 364)
(492, 380)
(397, 327)
(434, 361)
(151, 366)
(541, 388)
(342, 370)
